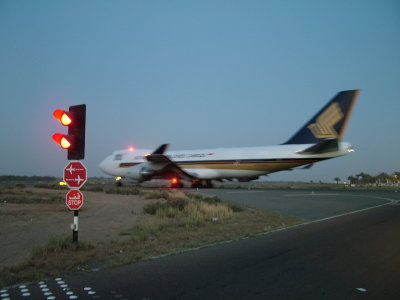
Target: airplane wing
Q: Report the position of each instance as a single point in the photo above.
(158, 158)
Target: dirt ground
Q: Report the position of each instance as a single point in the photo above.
(102, 218)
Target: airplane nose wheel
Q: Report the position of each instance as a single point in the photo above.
(118, 181)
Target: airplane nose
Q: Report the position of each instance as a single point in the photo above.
(103, 166)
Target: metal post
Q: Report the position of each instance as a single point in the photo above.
(75, 227)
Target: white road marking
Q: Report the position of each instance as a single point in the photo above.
(311, 194)
(245, 192)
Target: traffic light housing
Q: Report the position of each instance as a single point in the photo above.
(74, 141)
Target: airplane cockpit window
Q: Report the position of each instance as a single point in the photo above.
(118, 157)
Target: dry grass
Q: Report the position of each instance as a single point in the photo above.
(57, 256)
(24, 195)
(205, 211)
(177, 222)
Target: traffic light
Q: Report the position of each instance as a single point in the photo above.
(74, 141)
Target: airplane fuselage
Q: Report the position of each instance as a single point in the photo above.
(224, 163)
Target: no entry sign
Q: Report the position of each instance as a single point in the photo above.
(75, 174)
(74, 199)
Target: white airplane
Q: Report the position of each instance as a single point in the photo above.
(319, 139)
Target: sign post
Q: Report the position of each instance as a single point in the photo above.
(75, 176)
(74, 142)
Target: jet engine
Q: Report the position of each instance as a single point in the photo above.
(140, 172)
(145, 171)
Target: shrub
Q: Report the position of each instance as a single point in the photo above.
(120, 191)
(158, 195)
(170, 208)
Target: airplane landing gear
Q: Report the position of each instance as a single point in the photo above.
(202, 184)
(118, 181)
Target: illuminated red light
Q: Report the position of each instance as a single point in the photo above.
(131, 148)
(62, 117)
(174, 180)
(61, 140)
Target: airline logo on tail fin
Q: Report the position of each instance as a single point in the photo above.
(330, 122)
(325, 123)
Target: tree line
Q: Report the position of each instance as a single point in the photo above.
(27, 178)
(365, 178)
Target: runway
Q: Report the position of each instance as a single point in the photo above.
(307, 204)
(352, 256)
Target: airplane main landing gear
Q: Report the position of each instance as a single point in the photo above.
(202, 184)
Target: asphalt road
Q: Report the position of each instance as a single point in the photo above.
(354, 256)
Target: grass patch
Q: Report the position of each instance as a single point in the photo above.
(57, 256)
(125, 191)
(21, 195)
(175, 222)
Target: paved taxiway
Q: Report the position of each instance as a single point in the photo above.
(355, 256)
(308, 204)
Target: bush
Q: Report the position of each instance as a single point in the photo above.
(169, 208)
(151, 208)
(59, 244)
(158, 195)
(120, 191)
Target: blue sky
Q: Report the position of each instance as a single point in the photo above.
(197, 74)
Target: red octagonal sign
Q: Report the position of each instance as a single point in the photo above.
(74, 199)
(75, 174)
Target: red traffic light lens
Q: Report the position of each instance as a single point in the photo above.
(62, 140)
(63, 117)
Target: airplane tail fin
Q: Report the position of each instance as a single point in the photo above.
(330, 122)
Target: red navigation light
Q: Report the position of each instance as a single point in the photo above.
(174, 180)
(131, 148)
(62, 140)
(63, 117)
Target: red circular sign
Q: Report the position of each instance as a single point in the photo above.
(74, 199)
(75, 174)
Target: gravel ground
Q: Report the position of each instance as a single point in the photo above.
(101, 219)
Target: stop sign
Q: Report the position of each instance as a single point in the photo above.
(74, 199)
(75, 174)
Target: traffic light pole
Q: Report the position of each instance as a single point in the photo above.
(75, 227)
(75, 173)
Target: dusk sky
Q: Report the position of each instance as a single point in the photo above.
(197, 74)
